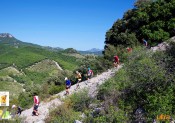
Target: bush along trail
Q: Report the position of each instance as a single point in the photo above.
(91, 85)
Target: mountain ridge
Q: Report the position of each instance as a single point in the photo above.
(9, 39)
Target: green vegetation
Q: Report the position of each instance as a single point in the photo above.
(153, 21)
(70, 110)
(142, 84)
(28, 55)
(14, 88)
(70, 50)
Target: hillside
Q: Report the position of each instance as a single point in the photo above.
(46, 106)
(25, 56)
(30, 68)
(109, 104)
(139, 89)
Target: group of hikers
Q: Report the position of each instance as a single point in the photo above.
(79, 79)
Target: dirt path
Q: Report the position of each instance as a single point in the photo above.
(44, 107)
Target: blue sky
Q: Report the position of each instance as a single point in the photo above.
(79, 24)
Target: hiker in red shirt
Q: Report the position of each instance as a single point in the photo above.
(129, 49)
(35, 105)
(116, 61)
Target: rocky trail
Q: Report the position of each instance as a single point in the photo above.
(91, 85)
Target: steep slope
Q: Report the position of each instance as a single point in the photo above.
(44, 107)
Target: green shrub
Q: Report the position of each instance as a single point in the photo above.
(62, 114)
(25, 100)
(145, 81)
(56, 89)
(112, 115)
(80, 101)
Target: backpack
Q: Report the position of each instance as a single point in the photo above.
(90, 73)
(79, 75)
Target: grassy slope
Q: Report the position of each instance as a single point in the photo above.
(26, 56)
(22, 57)
(14, 88)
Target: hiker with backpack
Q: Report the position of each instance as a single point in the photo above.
(68, 85)
(19, 110)
(35, 105)
(13, 111)
(89, 73)
(16, 110)
(79, 77)
(116, 61)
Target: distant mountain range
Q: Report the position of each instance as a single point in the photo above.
(92, 51)
(10, 40)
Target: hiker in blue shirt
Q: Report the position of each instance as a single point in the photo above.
(145, 42)
(68, 85)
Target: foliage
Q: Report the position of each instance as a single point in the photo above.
(63, 114)
(56, 89)
(70, 50)
(25, 100)
(14, 88)
(146, 81)
(141, 3)
(71, 109)
(80, 101)
(151, 20)
(111, 51)
(114, 115)
(23, 57)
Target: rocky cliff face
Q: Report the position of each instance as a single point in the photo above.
(6, 35)
(163, 46)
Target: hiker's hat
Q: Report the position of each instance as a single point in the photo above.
(65, 78)
(13, 106)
